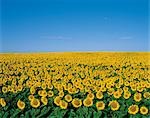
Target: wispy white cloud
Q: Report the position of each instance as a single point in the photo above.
(56, 37)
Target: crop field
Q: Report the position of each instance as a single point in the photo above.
(75, 85)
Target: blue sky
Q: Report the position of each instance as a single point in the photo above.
(73, 25)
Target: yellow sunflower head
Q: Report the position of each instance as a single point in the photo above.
(137, 97)
(99, 95)
(143, 110)
(68, 98)
(2, 102)
(146, 95)
(88, 102)
(61, 93)
(20, 87)
(114, 105)
(125, 88)
(117, 94)
(43, 86)
(90, 95)
(20, 104)
(100, 105)
(76, 102)
(44, 93)
(4, 89)
(63, 104)
(50, 93)
(40, 92)
(110, 91)
(30, 97)
(57, 100)
(133, 109)
(140, 89)
(70, 90)
(133, 87)
(44, 100)
(32, 90)
(35, 103)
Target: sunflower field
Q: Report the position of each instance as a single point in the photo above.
(75, 85)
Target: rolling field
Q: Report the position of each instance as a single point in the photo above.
(75, 85)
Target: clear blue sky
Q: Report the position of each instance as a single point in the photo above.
(73, 25)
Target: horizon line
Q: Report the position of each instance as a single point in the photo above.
(72, 52)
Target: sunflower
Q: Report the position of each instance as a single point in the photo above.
(146, 95)
(120, 90)
(110, 91)
(35, 103)
(57, 100)
(44, 100)
(44, 93)
(126, 83)
(70, 85)
(114, 105)
(117, 94)
(70, 90)
(87, 89)
(125, 88)
(20, 104)
(100, 105)
(40, 92)
(90, 95)
(43, 86)
(65, 87)
(88, 102)
(103, 89)
(2, 102)
(99, 95)
(133, 87)
(140, 89)
(147, 85)
(63, 104)
(68, 98)
(4, 89)
(127, 95)
(61, 94)
(20, 87)
(143, 110)
(50, 86)
(31, 97)
(137, 97)
(108, 86)
(10, 88)
(76, 102)
(133, 109)
(118, 85)
(50, 93)
(32, 90)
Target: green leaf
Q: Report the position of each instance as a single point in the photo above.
(32, 112)
(37, 112)
(27, 114)
(58, 112)
(22, 116)
(89, 114)
(17, 111)
(72, 114)
(6, 114)
(5, 108)
(44, 111)
(1, 114)
(97, 114)
(62, 113)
